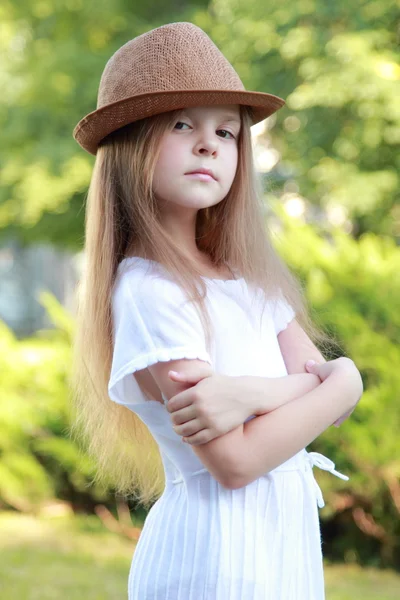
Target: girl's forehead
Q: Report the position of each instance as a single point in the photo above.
(224, 111)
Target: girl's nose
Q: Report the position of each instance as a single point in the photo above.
(206, 147)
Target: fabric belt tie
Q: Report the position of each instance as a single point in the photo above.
(312, 459)
(315, 459)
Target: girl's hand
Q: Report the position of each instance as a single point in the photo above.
(211, 405)
(215, 404)
(343, 417)
(325, 369)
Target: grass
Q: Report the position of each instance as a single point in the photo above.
(63, 557)
(352, 582)
(76, 557)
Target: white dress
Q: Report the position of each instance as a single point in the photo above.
(201, 541)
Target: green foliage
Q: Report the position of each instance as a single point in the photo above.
(353, 287)
(53, 55)
(335, 63)
(38, 459)
(354, 290)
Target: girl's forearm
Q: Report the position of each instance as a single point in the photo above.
(265, 394)
(271, 439)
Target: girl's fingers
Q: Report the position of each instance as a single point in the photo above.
(202, 437)
(181, 378)
(193, 378)
(188, 428)
(174, 375)
(311, 366)
(343, 417)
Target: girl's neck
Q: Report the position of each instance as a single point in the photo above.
(204, 265)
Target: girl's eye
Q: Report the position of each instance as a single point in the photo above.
(224, 130)
(180, 123)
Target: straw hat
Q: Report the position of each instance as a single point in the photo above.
(171, 67)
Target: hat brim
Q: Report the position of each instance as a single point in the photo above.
(98, 124)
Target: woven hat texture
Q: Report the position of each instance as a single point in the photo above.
(171, 67)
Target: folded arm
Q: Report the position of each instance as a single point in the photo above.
(246, 452)
(273, 438)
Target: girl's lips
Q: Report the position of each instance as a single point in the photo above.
(201, 176)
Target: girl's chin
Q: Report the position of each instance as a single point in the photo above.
(192, 201)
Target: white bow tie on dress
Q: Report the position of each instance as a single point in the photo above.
(314, 459)
(319, 460)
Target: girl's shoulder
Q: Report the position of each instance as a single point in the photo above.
(138, 266)
(143, 277)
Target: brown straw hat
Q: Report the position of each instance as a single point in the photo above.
(171, 67)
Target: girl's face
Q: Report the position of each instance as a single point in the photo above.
(202, 137)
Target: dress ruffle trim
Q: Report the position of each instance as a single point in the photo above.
(161, 355)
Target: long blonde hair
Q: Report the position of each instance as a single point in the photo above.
(122, 220)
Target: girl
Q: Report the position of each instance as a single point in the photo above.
(181, 277)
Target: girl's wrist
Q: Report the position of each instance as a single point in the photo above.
(350, 379)
(251, 390)
(265, 394)
(293, 386)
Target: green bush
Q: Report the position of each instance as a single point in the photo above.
(353, 289)
(38, 459)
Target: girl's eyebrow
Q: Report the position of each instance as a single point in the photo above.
(232, 118)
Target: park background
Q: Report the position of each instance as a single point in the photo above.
(330, 166)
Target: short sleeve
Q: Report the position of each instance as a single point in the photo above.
(283, 314)
(153, 321)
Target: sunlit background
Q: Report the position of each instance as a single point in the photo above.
(329, 163)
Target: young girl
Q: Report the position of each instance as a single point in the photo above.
(189, 325)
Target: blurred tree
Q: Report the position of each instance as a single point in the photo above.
(334, 63)
(353, 288)
(53, 54)
(38, 460)
(336, 66)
